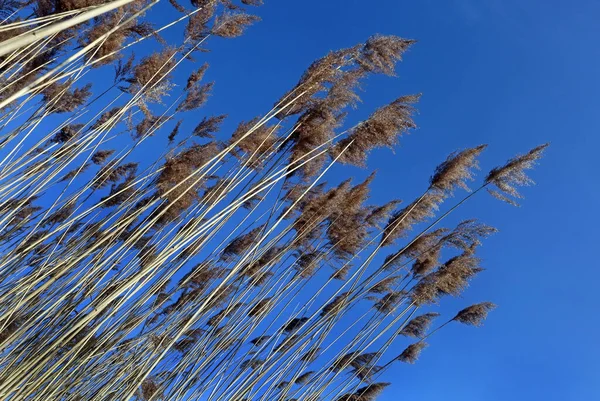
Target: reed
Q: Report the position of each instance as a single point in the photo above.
(224, 267)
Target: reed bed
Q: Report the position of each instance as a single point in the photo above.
(224, 267)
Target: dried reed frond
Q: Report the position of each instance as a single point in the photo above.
(468, 234)
(177, 6)
(450, 279)
(403, 220)
(241, 243)
(197, 26)
(322, 72)
(253, 139)
(196, 97)
(66, 133)
(176, 170)
(295, 324)
(209, 126)
(389, 302)
(233, 25)
(506, 178)
(412, 352)
(379, 214)
(258, 341)
(60, 99)
(174, 131)
(335, 306)
(260, 307)
(474, 315)
(152, 69)
(381, 129)
(418, 326)
(370, 392)
(196, 76)
(456, 170)
(381, 53)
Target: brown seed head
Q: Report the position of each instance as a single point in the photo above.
(370, 392)
(231, 25)
(456, 170)
(418, 326)
(382, 128)
(209, 126)
(412, 352)
(381, 53)
(506, 178)
(474, 315)
(418, 211)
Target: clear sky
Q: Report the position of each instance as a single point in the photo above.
(512, 74)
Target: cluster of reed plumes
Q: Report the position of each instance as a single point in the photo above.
(223, 268)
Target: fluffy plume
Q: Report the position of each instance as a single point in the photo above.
(418, 211)
(66, 133)
(315, 209)
(456, 170)
(314, 128)
(379, 214)
(348, 231)
(107, 50)
(111, 174)
(106, 117)
(294, 324)
(304, 378)
(367, 393)
(176, 170)
(381, 53)
(177, 6)
(336, 305)
(468, 234)
(197, 26)
(196, 76)
(308, 263)
(261, 307)
(241, 243)
(389, 302)
(381, 129)
(149, 388)
(196, 97)
(258, 341)
(418, 326)
(233, 25)
(311, 355)
(506, 178)
(253, 139)
(175, 131)
(412, 352)
(384, 285)
(319, 75)
(427, 261)
(450, 279)
(152, 69)
(419, 246)
(209, 126)
(474, 315)
(59, 98)
(149, 125)
(344, 361)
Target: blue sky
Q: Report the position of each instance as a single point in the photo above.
(512, 74)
